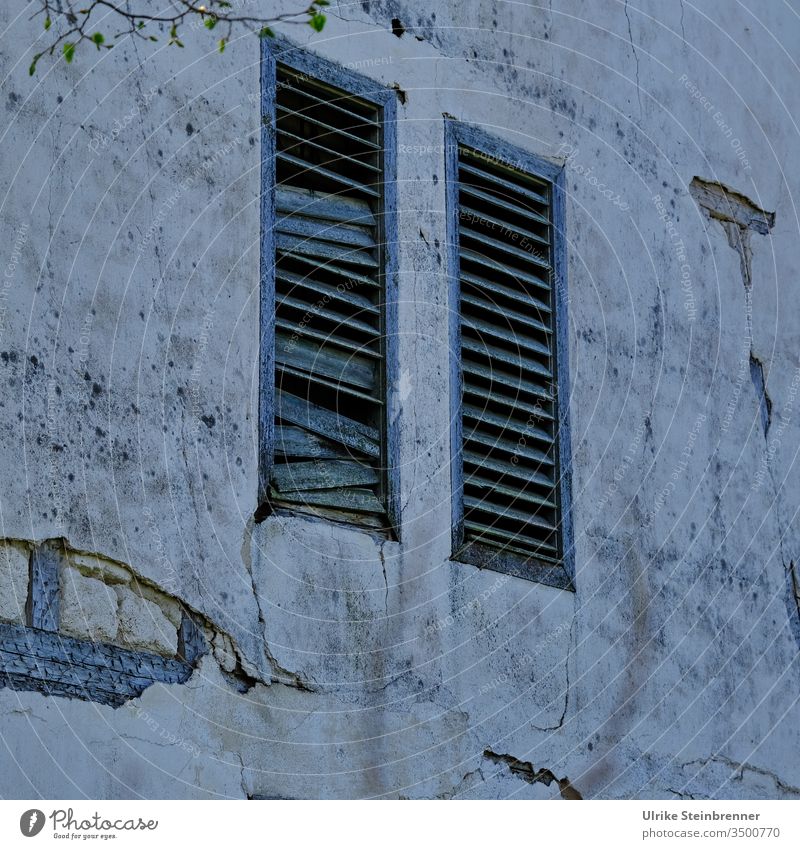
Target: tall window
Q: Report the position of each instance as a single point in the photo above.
(510, 446)
(325, 312)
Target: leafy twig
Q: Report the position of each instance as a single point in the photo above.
(74, 27)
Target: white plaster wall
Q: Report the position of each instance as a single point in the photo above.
(129, 411)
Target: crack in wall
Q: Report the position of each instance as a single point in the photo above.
(741, 768)
(527, 772)
(635, 56)
(739, 217)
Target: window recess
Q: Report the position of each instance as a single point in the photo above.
(510, 440)
(325, 431)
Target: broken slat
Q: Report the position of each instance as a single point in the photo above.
(322, 474)
(318, 360)
(326, 231)
(326, 423)
(346, 394)
(311, 247)
(352, 499)
(43, 587)
(321, 206)
(293, 441)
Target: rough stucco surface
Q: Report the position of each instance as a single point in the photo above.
(128, 362)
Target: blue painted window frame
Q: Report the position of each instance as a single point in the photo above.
(560, 575)
(279, 51)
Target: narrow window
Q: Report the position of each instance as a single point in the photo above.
(327, 434)
(510, 486)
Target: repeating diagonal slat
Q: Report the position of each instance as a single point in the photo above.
(509, 421)
(329, 359)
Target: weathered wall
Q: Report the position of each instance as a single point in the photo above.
(346, 666)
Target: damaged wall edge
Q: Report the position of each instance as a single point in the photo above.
(36, 656)
(527, 772)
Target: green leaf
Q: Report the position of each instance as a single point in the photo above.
(222, 45)
(98, 39)
(173, 33)
(320, 3)
(47, 22)
(32, 69)
(266, 32)
(68, 51)
(210, 23)
(140, 25)
(317, 21)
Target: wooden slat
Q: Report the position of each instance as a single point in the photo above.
(514, 402)
(506, 513)
(326, 231)
(352, 499)
(293, 328)
(291, 441)
(489, 440)
(503, 315)
(500, 182)
(510, 250)
(346, 393)
(54, 664)
(326, 291)
(510, 358)
(492, 331)
(342, 210)
(336, 156)
(518, 382)
(346, 275)
(503, 269)
(511, 232)
(506, 424)
(322, 474)
(484, 487)
(326, 250)
(506, 469)
(326, 313)
(491, 286)
(333, 426)
(322, 360)
(501, 203)
(518, 543)
(333, 176)
(329, 99)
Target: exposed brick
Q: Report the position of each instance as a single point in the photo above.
(143, 625)
(88, 607)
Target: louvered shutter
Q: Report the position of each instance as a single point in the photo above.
(508, 413)
(329, 442)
